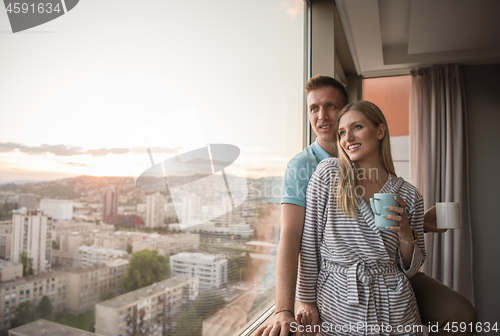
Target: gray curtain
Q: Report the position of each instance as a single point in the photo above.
(438, 157)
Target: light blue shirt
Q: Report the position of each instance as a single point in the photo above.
(298, 173)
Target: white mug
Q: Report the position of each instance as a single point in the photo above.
(448, 215)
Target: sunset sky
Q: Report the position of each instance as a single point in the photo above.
(75, 90)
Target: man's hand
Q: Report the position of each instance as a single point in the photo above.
(430, 221)
(308, 315)
(279, 325)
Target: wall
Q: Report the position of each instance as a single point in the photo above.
(483, 110)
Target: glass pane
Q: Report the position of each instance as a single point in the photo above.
(392, 96)
(173, 122)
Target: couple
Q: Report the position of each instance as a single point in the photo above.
(350, 273)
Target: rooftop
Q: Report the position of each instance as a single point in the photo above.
(86, 268)
(117, 262)
(196, 256)
(143, 293)
(6, 263)
(43, 327)
(31, 278)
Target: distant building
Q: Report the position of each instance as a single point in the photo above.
(57, 209)
(28, 201)
(152, 310)
(118, 239)
(167, 244)
(211, 270)
(93, 255)
(32, 234)
(88, 231)
(47, 328)
(68, 236)
(5, 239)
(170, 214)
(239, 230)
(87, 286)
(155, 210)
(10, 271)
(110, 205)
(126, 220)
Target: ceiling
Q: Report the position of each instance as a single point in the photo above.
(391, 37)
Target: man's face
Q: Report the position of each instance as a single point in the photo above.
(323, 105)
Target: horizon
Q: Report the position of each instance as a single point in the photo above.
(100, 91)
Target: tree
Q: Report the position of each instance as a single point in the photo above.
(27, 263)
(55, 246)
(24, 313)
(208, 303)
(188, 324)
(108, 296)
(190, 320)
(146, 267)
(129, 249)
(44, 309)
(238, 267)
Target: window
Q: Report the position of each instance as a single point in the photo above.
(391, 95)
(237, 69)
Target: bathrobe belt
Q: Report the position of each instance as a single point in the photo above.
(357, 271)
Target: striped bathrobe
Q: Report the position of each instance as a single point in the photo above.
(352, 270)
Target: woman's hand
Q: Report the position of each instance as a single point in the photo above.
(279, 325)
(308, 315)
(404, 229)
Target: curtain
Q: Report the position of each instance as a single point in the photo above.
(438, 157)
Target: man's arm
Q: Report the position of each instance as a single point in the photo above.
(292, 224)
(430, 221)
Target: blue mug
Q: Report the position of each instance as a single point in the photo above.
(378, 202)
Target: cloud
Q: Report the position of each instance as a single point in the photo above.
(76, 164)
(104, 151)
(63, 150)
(59, 150)
(293, 9)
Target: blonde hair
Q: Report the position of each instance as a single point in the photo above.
(348, 173)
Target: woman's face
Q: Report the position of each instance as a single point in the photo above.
(359, 137)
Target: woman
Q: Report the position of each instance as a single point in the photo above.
(355, 273)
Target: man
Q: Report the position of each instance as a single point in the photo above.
(437, 303)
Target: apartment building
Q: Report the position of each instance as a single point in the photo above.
(5, 239)
(69, 235)
(110, 205)
(86, 286)
(32, 234)
(118, 239)
(151, 311)
(57, 209)
(93, 255)
(167, 244)
(31, 288)
(155, 210)
(47, 328)
(237, 230)
(210, 270)
(61, 230)
(10, 270)
(76, 290)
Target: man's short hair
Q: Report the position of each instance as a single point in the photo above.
(321, 81)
